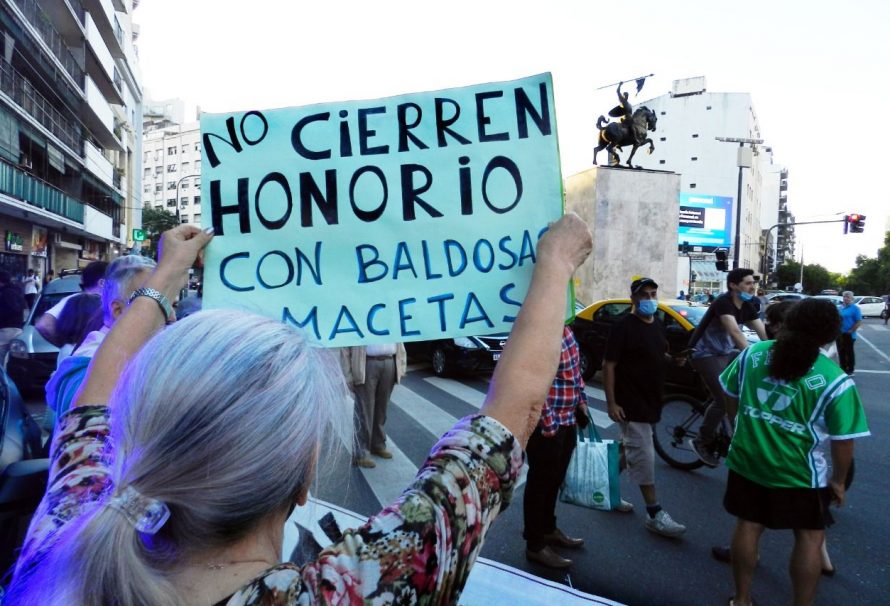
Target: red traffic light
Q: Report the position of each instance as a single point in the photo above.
(853, 218)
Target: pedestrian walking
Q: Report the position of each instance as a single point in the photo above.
(549, 452)
(790, 404)
(716, 341)
(851, 320)
(633, 372)
(372, 372)
(31, 284)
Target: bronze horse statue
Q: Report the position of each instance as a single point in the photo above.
(627, 132)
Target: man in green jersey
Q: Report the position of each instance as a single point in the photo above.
(789, 402)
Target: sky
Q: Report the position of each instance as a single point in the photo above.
(817, 72)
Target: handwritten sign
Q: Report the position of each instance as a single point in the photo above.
(406, 218)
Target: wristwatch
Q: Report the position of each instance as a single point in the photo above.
(159, 298)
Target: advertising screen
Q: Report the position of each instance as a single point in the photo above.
(705, 220)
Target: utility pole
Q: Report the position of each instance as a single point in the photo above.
(744, 159)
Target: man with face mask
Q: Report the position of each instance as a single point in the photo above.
(633, 374)
(716, 342)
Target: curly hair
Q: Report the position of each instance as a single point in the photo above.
(809, 324)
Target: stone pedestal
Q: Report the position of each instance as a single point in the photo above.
(634, 216)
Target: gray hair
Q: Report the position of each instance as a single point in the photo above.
(847, 292)
(221, 416)
(118, 281)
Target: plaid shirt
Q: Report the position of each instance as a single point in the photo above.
(567, 391)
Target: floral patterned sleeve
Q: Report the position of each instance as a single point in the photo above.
(78, 475)
(420, 549)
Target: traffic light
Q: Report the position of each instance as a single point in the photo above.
(685, 247)
(721, 264)
(855, 222)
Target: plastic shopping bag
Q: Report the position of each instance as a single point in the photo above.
(592, 478)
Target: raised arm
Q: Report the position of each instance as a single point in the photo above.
(143, 317)
(526, 369)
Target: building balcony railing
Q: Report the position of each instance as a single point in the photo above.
(29, 99)
(28, 188)
(37, 18)
(78, 10)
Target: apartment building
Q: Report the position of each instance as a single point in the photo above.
(171, 173)
(70, 132)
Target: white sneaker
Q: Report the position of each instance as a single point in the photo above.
(664, 525)
(624, 507)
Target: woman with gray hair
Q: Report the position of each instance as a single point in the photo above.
(208, 461)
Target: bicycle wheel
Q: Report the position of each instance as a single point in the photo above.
(680, 417)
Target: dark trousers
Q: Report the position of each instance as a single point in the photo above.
(846, 357)
(709, 369)
(372, 400)
(30, 300)
(548, 460)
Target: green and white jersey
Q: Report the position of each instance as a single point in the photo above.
(783, 428)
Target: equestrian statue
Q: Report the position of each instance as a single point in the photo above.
(630, 130)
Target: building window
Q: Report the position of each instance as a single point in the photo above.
(157, 155)
(663, 113)
(184, 200)
(695, 136)
(694, 158)
(708, 107)
(158, 188)
(661, 161)
(663, 139)
(185, 167)
(185, 184)
(171, 185)
(145, 157)
(171, 168)
(198, 218)
(158, 170)
(185, 219)
(197, 147)
(692, 186)
(197, 199)
(171, 202)
(185, 148)
(171, 151)
(147, 188)
(147, 172)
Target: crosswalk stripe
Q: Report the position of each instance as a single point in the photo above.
(390, 477)
(458, 390)
(433, 418)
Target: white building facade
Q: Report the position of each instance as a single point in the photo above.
(172, 169)
(70, 132)
(689, 121)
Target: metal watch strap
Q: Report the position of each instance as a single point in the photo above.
(158, 297)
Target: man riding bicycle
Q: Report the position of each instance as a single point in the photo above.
(716, 342)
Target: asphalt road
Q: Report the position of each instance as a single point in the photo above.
(621, 560)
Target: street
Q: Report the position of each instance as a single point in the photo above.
(621, 560)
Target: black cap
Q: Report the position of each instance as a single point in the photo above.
(639, 283)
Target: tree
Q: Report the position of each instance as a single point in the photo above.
(872, 274)
(154, 223)
(815, 277)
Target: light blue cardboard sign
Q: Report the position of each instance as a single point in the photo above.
(409, 218)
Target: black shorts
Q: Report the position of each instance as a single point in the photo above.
(797, 508)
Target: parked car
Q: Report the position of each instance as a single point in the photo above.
(836, 299)
(593, 325)
(462, 354)
(871, 307)
(32, 359)
(786, 296)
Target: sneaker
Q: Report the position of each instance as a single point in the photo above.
(664, 525)
(705, 454)
(624, 507)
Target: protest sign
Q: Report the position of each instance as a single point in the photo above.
(406, 218)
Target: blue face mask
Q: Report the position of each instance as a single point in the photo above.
(647, 307)
(746, 296)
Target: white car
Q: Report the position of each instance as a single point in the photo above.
(870, 306)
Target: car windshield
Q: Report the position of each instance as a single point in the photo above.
(47, 301)
(692, 314)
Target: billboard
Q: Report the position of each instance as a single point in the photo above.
(705, 220)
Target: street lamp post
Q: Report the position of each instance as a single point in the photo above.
(742, 161)
(178, 183)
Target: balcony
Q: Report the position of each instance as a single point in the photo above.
(102, 13)
(41, 22)
(19, 184)
(98, 164)
(23, 94)
(99, 224)
(100, 64)
(99, 117)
